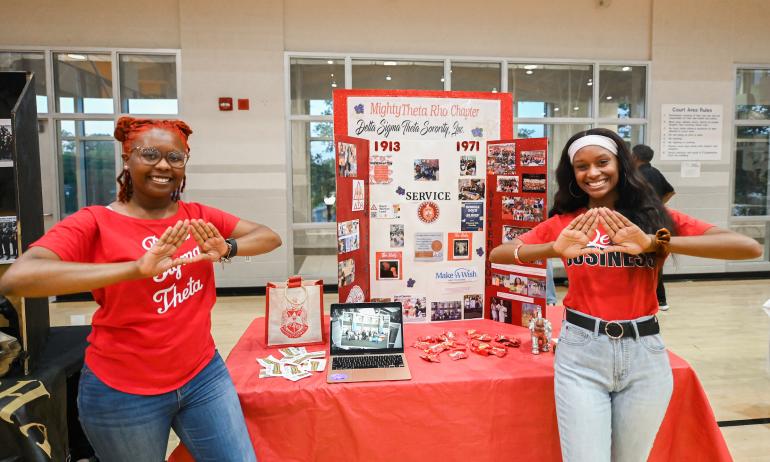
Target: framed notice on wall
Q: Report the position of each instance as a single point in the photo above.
(426, 194)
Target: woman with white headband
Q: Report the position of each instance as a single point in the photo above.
(613, 380)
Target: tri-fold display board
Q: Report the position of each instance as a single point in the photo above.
(427, 185)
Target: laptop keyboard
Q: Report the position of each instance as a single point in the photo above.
(367, 362)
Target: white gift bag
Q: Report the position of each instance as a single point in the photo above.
(294, 313)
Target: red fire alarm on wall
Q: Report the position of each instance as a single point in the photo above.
(243, 104)
(225, 104)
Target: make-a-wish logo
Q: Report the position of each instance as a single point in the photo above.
(458, 275)
(359, 108)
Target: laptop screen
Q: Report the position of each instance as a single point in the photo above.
(366, 328)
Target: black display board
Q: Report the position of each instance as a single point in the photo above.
(21, 197)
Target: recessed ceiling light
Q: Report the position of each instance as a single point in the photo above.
(626, 68)
(75, 56)
(334, 84)
(609, 98)
(556, 109)
(576, 108)
(590, 84)
(528, 72)
(387, 77)
(389, 63)
(442, 79)
(530, 66)
(330, 62)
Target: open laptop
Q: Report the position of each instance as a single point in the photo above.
(367, 343)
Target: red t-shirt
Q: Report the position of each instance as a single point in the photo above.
(612, 286)
(150, 336)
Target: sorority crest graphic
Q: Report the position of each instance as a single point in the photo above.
(294, 320)
(428, 212)
(356, 295)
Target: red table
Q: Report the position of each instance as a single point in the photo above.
(480, 409)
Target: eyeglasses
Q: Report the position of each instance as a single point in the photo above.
(152, 156)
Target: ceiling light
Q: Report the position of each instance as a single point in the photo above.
(576, 108)
(334, 84)
(626, 68)
(590, 84)
(530, 66)
(330, 62)
(528, 72)
(442, 79)
(556, 109)
(75, 56)
(387, 77)
(609, 98)
(389, 63)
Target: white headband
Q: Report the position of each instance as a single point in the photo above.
(592, 140)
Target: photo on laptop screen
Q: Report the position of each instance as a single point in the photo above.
(364, 329)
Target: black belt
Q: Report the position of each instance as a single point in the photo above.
(614, 329)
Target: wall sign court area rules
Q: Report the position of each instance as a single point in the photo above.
(426, 194)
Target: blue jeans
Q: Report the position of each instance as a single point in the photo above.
(611, 395)
(205, 413)
(550, 287)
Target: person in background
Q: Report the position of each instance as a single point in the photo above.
(642, 157)
(147, 258)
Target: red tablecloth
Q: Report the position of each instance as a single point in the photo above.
(480, 409)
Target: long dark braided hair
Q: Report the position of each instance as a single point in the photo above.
(126, 130)
(636, 199)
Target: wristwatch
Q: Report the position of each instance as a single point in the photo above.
(232, 250)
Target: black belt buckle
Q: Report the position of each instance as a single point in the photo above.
(611, 327)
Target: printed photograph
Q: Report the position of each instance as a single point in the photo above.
(460, 248)
(426, 169)
(9, 242)
(467, 165)
(446, 311)
(414, 308)
(517, 284)
(381, 299)
(346, 159)
(501, 159)
(389, 269)
(532, 158)
(471, 189)
(473, 306)
(347, 236)
(397, 235)
(499, 279)
(536, 287)
(6, 140)
(523, 209)
(346, 272)
(529, 311)
(509, 184)
(533, 182)
(500, 310)
(512, 232)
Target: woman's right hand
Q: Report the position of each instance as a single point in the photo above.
(573, 239)
(160, 257)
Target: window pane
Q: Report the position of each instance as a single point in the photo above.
(755, 230)
(312, 83)
(551, 90)
(315, 252)
(99, 169)
(32, 62)
(404, 75)
(313, 167)
(752, 94)
(557, 135)
(148, 84)
(622, 90)
(751, 162)
(631, 134)
(87, 164)
(83, 83)
(475, 76)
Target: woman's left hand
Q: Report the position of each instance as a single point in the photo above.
(626, 236)
(212, 244)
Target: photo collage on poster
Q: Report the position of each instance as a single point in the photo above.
(520, 191)
(9, 243)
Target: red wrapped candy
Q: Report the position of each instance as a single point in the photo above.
(427, 338)
(450, 335)
(484, 337)
(421, 345)
(431, 358)
(480, 347)
(455, 355)
(437, 348)
(499, 352)
(513, 342)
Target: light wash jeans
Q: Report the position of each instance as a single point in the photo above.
(205, 413)
(611, 395)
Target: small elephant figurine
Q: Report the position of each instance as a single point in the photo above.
(540, 329)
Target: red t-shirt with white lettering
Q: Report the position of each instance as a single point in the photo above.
(612, 286)
(149, 336)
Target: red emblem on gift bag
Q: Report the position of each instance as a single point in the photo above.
(294, 317)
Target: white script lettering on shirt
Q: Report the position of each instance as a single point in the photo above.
(600, 241)
(170, 297)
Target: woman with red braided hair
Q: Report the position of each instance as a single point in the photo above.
(151, 364)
